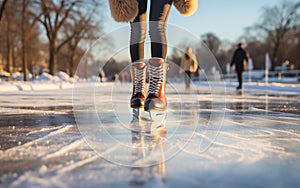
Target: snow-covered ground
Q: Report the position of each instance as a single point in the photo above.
(249, 139)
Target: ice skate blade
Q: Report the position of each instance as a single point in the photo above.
(138, 114)
(157, 116)
(155, 109)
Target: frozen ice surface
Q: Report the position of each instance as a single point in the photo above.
(257, 143)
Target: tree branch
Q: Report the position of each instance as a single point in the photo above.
(2, 8)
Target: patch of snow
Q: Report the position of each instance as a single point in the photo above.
(20, 76)
(93, 79)
(62, 76)
(254, 86)
(46, 77)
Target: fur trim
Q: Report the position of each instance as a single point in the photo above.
(186, 7)
(123, 10)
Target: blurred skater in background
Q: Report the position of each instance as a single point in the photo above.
(189, 65)
(239, 59)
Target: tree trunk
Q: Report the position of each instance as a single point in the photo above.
(274, 55)
(10, 60)
(14, 62)
(73, 50)
(24, 41)
(72, 66)
(9, 57)
(52, 60)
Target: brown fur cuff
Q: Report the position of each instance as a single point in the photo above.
(123, 10)
(186, 7)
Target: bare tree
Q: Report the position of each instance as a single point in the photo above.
(84, 28)
(21, 45)
(277, 21)
(54, 15)
(10, 34)
(16, 31)
(28, 8)
(212, 42)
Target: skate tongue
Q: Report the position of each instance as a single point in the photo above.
(156, 61)
(139, 65)
(156, 79)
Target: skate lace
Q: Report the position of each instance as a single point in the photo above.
(156, 76)
(139, 80)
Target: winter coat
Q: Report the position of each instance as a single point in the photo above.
(238, 59)
(189, 64)
(127, 10)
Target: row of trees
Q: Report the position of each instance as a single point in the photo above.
(277, 32)
(53, 34)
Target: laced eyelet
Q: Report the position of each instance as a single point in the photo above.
(139, 80)
(156, 76)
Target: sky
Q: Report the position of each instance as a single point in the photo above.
(226, 18)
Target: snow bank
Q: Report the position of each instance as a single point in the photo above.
(4, 74)
(30, 86)
(255, 86)
(45, 81)
(8, 87)
(94, 79)
(46, 77)
(62, 80)
(62, 76)
(20, 75)
(274, 87)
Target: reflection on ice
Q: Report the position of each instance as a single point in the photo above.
(147, 142)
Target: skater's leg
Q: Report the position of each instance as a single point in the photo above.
(187, 79)
(159, 12)
(138, 33)
(138, 70)
(240, 79)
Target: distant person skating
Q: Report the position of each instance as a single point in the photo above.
(238, 59)
(100, 76)
(189, 65)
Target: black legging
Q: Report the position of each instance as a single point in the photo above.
(240, 78)
(187, 79)
(159, 12)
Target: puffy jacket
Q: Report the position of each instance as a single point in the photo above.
(126, 10)
(189, 64)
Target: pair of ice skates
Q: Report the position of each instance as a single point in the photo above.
(155, 99)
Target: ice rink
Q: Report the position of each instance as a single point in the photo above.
(240, 139)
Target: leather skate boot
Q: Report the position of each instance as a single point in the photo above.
(138, 75)
(156, 99)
